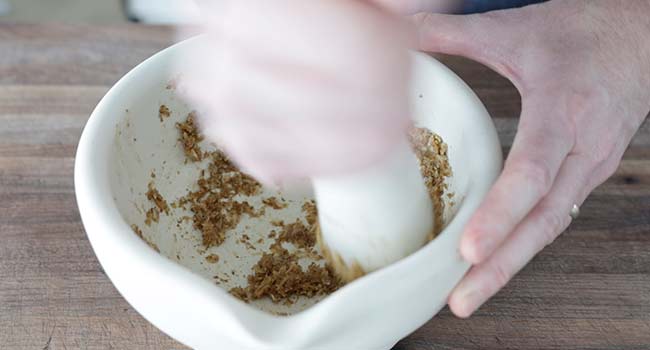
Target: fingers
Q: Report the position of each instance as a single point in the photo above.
(534, 161)
(549, 218)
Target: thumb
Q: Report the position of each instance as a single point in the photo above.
(493, 39)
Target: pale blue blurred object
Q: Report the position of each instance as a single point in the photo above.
(5, 7)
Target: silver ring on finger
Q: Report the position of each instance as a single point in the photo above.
(575, 212)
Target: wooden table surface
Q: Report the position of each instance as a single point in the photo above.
(588, 290)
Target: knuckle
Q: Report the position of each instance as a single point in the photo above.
(551, 225)
(610, 167)
(500, 274)
(537, 174)
(579, 102)
(607, 145)
(601, 154)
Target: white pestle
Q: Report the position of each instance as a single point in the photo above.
(374, 217)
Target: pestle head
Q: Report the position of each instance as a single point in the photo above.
(374, 217)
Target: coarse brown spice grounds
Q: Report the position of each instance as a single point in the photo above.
(431, 151)
(164, 112)
(278, 274)
(190, 138)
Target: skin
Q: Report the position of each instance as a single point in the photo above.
(307, 100)
(582, 68)
(583, 71)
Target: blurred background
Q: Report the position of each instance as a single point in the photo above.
(97, 11)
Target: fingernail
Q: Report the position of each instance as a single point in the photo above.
(468, 297)
(476, 249)
(464, 302)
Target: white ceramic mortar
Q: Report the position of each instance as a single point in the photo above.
(124, 141)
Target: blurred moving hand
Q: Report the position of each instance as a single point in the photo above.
(583, 71)
(294, 88)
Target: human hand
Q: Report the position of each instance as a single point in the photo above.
(293, 88)
(583, 71)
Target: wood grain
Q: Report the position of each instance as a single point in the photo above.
(588, 290)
